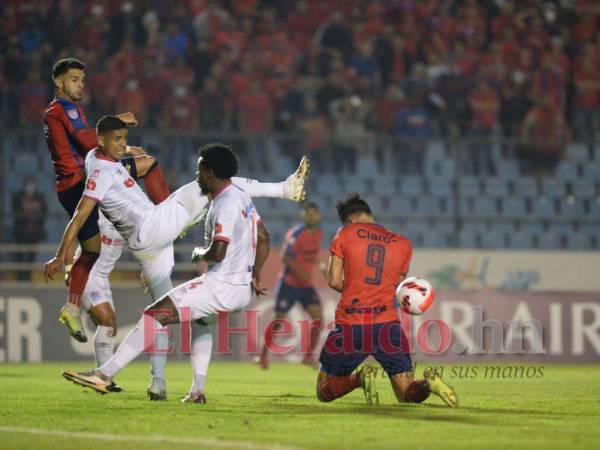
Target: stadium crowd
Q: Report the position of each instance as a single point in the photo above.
(406, 68)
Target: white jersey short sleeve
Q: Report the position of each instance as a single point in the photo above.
(232, 217)
(99, 181)
(121, 199)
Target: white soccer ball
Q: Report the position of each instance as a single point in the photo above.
(415, 295)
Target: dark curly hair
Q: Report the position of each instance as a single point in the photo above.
(220, 159)
(351, 205)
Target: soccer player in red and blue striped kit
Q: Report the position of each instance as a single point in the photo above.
(69, 138)
(299, 255)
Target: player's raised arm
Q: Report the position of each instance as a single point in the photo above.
(263, 240)
(85, 207)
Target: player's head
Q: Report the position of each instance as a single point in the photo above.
(112, 136)
(216, 163)
(353, 209)
(69, 76)
(311, 215)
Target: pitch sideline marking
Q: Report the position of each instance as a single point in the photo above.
(153, 438)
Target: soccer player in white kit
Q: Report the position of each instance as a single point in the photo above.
(148, 229)
(236, 250)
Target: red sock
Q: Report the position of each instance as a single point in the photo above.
(156, 185)
(79, 276)
(335, 387)
(269, 336)
(417, 392)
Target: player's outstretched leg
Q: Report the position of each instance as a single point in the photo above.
(160, 314)
(92, 379)
(438, 387)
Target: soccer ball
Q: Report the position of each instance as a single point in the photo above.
(415, 295)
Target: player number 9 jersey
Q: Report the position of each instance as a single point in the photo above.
(375, 260)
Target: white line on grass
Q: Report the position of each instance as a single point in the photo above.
(153, 438)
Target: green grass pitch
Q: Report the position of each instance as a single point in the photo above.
(254, 409)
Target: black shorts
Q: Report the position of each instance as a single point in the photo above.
(69, 199)
(286, 296)
(349, 345)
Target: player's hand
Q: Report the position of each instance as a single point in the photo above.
(143, 283)
(323, 267)
(68, 274)
(256, 287)
(133, 150)
(129, 119)
(52, 267)
(198, 254)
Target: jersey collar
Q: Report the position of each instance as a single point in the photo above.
(100, 155)
(222, 188)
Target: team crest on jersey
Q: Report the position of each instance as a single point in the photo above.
(218, 228)
(73, 114)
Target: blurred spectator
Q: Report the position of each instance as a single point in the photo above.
(411, 129)
(364, 63)
(256, 118)
(388, 107)
(348, 116)
(134, 99)
(484, 105)
(314, 125)
(433, 51)
(256, 112)
(29, 207)
(33, 95)
(549, 82)
(216, 108)
(180, 115)
(514, 104)
(587, 84)
(543, 137)
(336, 35)
(176, 41)
(333, 88)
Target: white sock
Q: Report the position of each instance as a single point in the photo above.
(201, 353)
(104, 344)
(257, 189)
(159, 359)
(131, 347)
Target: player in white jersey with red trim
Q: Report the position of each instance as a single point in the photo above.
(148, 229)
(236, 250)
(97, 298)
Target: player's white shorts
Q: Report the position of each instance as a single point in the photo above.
(97, 291)
(206, 297)
(153, 245)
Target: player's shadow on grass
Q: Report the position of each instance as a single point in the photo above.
(520, 411)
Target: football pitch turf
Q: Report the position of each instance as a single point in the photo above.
(255, 409)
